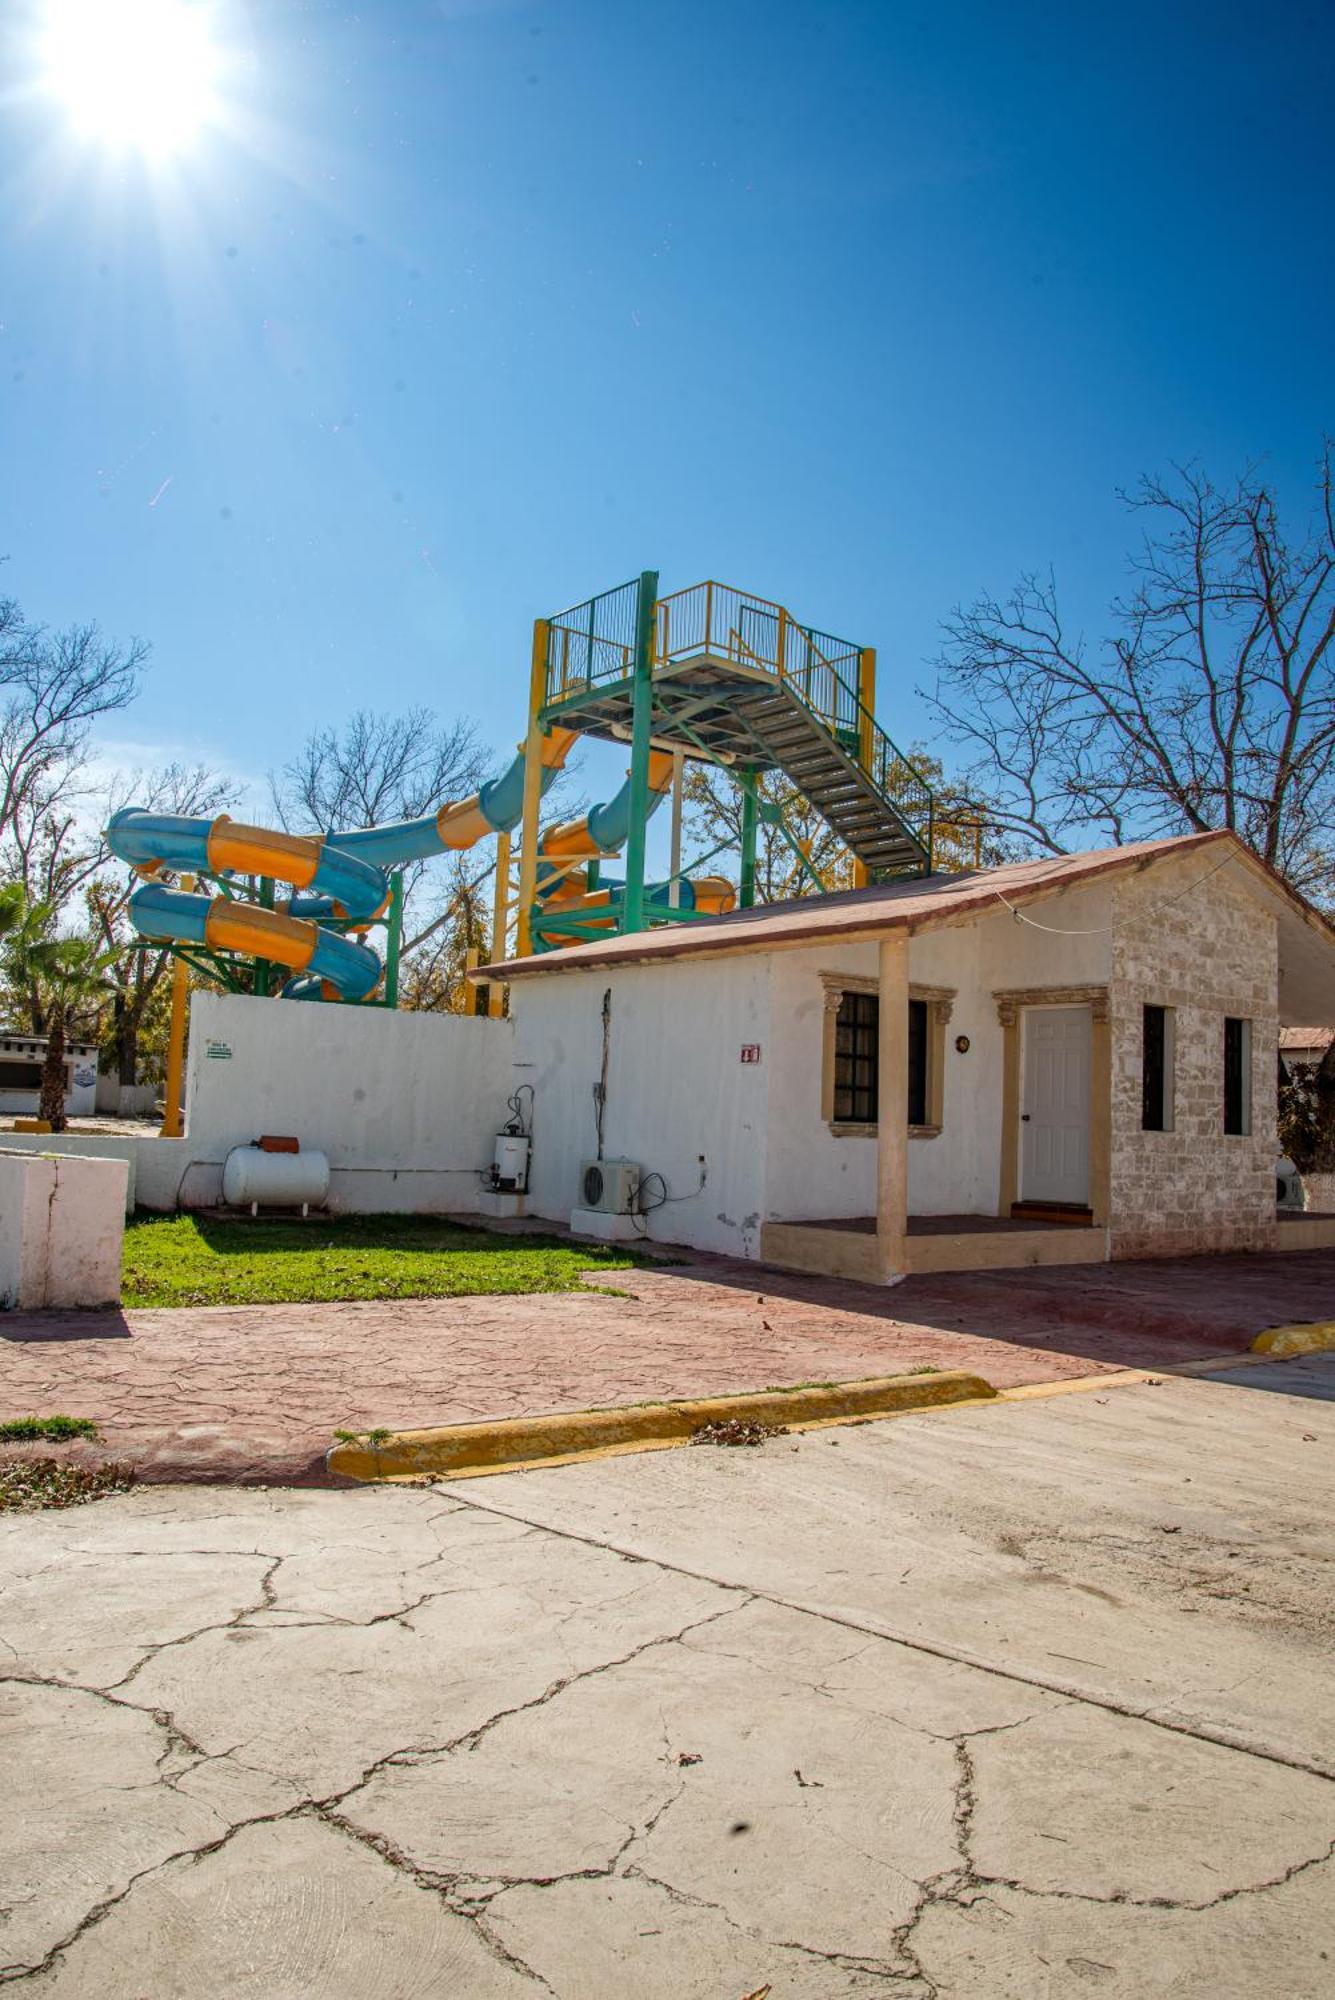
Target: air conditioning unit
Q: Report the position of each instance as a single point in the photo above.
(610, 1186)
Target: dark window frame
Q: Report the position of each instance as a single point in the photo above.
(857, 1030)
(20, 1073)
(1154, 1069)
(1236, 1080)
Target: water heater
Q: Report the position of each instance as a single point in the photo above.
(510, 1167)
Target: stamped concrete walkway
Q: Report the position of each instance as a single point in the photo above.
(256, 1393)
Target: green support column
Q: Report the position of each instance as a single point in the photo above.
(747, 781)
(632, 907)
(393, 940)
(263, 966)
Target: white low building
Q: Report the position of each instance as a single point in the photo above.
(21, 1059)
(1059, 1061)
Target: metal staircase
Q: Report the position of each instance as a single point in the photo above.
(742, 680)
(872, 823)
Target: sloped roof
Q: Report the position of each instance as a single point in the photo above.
(915, 903)
(1306, 1038)
(923, 902)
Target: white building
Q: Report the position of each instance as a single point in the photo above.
(21, 1059)
(1057, 1062)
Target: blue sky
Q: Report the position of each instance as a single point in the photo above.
(472, 308)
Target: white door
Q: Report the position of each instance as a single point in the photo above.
(1054, 1147)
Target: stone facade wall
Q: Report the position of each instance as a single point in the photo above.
(1209, 952)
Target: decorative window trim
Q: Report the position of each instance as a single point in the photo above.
(940, 1004)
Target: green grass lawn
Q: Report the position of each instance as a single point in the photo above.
(185, 1260)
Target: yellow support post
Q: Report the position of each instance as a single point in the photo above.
(867, 699)
(528, 859)
(499, 922)
(171, 1110)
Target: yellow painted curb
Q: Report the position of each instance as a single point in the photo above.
(1315, 1337)
(463, 1451)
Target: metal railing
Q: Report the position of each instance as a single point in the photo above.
(716, 621)
(592, 642)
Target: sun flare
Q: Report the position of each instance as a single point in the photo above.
(133, 75)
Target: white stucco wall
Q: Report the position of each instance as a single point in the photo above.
(815, 1173)
(405, 1105)
(676, 1089)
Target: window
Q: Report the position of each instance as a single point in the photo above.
(20, 1075)
(1237, 1076)
(1156, 1074)
(856, 1060)
(856, 1035)
(917, 1062)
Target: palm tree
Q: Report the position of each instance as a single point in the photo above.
(67, 972)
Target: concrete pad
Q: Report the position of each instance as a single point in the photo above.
(445, 1750)
(283, 1912)
(84, 1814)
(1083, 1803)
(604, 1941)
(321, 1703)
(99, 1625)
(831, 1855)
(1001, 1944)
(1197, 1591)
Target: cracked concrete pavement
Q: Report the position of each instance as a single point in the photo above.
(1029, 1701)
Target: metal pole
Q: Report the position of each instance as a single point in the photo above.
(632, 906)
(528, 859)
(171, 1110)
(678, 785)
(747, 781)
(500, 912)
(393, 940)
(263, 966)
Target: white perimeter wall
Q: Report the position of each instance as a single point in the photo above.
(676, 1088)
(405, 1105)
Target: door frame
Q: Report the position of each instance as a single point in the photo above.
(1011, 1003)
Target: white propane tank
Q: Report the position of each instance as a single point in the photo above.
(255, 1179)
(511, 1170)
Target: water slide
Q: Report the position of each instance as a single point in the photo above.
(343, 875)
(565, 851)
(335, 875)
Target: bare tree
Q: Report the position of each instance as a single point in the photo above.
(53, 687)
(435, 962)
(1211, 703)
(375, 769)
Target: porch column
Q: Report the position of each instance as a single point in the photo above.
(892, 1119)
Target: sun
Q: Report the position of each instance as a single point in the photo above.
(137, 76)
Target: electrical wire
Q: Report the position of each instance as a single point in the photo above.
(515, 1106)
(642, 1210)
(1105, 930)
